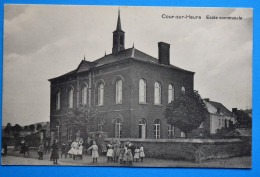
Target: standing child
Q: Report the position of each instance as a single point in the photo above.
(129, 156)
(137, 154)
(63, 147)
(121, 154)
(142, 155)
(94, 148)
(40, 151)
(110, 153)
(116, 152)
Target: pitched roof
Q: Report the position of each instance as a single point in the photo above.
(214, 107)
(121, 55)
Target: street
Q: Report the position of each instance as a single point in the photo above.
(14, 158)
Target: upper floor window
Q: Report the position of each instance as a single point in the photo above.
(84, 92)
(119, 84)
(58, 101)
(100, 94)
(70, 98)
(157, 93)
(156, 128)
(142, 91)
(170, 93)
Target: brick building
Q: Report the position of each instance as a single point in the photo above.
(129, 88)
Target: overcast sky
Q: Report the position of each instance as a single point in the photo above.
(42, 42)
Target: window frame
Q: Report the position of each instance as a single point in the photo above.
(118, 128)
(100, 94)
(142, 88)
(157, 129)
(157, 90)
(119, 91)
(84, 95)
(171, 90)
(57, 97)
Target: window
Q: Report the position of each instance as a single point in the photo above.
(170, 93)
(118, 128)
(201, 125)
(170, 131)
(119, 91)
(157, 93)
(70, 98)
(142, 91)
(156, 129)
(84, 92)
(58, 101)
(183, 134)
(101, 94)
(183, 89)
(142, 128)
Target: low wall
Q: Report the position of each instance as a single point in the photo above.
(195, 150)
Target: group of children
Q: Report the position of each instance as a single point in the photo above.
(125, 153)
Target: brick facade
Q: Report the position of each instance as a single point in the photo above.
(129, 65)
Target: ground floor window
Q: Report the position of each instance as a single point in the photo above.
(142, 128)
(118, 128)
(170, 131)
(183, 134)
(156, 129)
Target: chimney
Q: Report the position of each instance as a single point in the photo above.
(164, 53)
(206, 99)
(234, 110)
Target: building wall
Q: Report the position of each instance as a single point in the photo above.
(129, 111)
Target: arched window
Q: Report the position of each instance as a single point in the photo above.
(156, 128)
(170, 131)
(119, 84)
(183, 89)
(142, 91)
(142, 128)
(157, 93)
(100, 94)
(170, 93)
(84, 92)
(118, 128)
(70, 98)
(58, 101)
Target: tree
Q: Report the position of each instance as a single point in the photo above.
(26, 128)
(32, 128)
(39, 127)
(243, 120)
(84, 119)
(186, 112)
(17, 130)
(8, 128)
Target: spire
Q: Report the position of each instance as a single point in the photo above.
(84, 58)
(118, 26)
(133, 45)
(105, 53)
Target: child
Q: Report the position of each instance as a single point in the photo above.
(129, 156)
(94, 148)
(63, 147)
(40, 151)
(116, 152)
(122, 154)
(137, 154)
(110, 153)
(142, 155)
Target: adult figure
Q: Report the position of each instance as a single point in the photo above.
(54, 153)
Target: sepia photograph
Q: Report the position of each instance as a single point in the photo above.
(127, 86)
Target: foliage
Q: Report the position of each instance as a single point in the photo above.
(32, 128)
(26, 128)
(243, 120)
(84, 118)
(187, 111)
(39, 127)
(8, 128)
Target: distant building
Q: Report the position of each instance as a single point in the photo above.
(219, 118)
(129, 88)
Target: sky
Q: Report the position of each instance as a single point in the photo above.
(46, 41)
